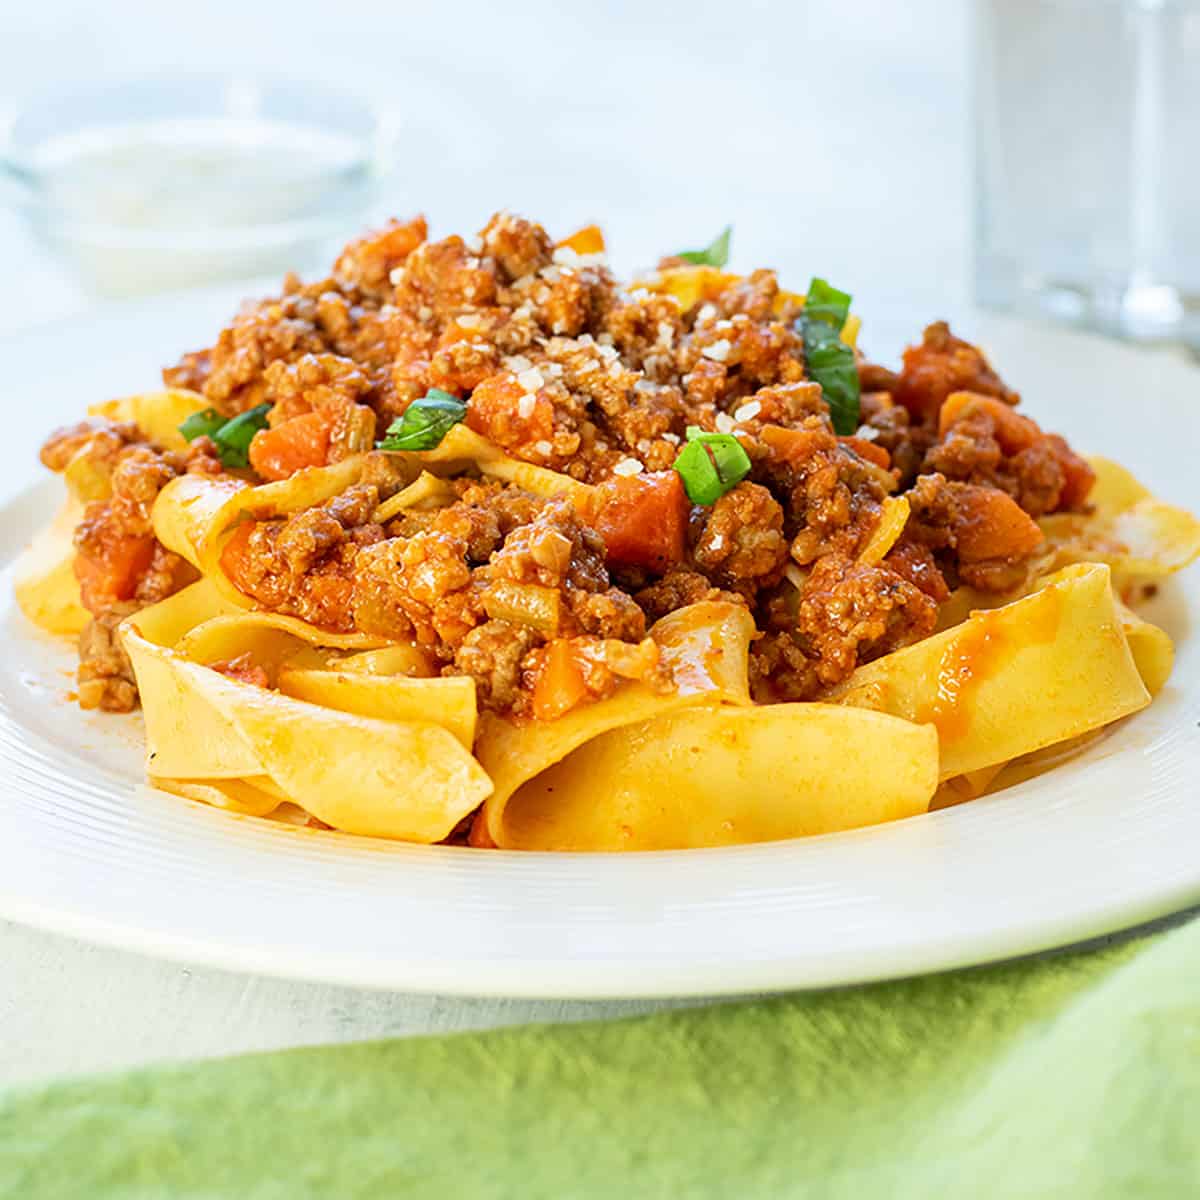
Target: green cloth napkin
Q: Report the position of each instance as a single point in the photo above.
(1073, 1076)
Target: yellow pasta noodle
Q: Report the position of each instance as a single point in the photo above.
(408, 779)
(483, 654)
(1004, 682)
(704, 644)
(45, 585)
(721, 776)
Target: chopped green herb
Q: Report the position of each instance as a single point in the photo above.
(829, 360)
(201, 424)
(710, 465)
(425, 422)
(232, 437)
(716, 254)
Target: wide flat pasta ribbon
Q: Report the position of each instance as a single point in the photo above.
(45, 584)
(157, 414)
(380, 777)
(706, 645)
(720, 776)
(1141, 537)
(1013, 679)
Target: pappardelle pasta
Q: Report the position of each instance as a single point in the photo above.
(471, 543)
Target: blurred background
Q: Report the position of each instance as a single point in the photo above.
(1035, 155)
(835, 138)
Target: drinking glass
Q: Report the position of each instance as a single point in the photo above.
(1087, 122)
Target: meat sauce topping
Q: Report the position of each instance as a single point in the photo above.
(546, 603)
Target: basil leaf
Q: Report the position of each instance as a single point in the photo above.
(710, 465)
(829, 360)
(715, 254)
(424, 422)
(201, 424)
(234, 437)
(825, 303)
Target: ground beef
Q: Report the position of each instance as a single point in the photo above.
(947, 518)
(491, 654)
(565, 368)
(105, 675)
(986, 443)
(679, 588)
(366, 264)
(302, 564)
(942, 364)
(889, 426)
(741, 542)
(848, 613)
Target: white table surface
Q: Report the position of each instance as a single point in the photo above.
(835, 137)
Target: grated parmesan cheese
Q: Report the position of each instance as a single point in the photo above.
(628, 466)
(531, 379)
(526, 405)
(718, 351)
(748, 411)
(543, 448)
(724, 423)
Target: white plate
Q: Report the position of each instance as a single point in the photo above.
(1103, 842)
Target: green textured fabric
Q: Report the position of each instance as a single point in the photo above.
(1074, 1076)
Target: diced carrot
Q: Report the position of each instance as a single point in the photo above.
(234, 557)
(793, 445)
(868, 450)
(992, 524)
(1014, 432)
(643, 519)
(301, 442)
(588, 240)
(560, 684)
(113, 572)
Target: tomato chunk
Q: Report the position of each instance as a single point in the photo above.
(643, 520)
(301, 442)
